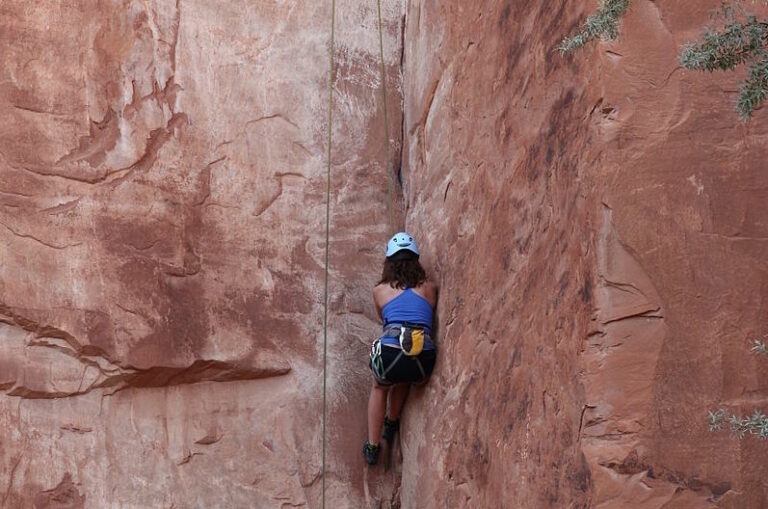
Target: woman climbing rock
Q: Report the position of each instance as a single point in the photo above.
(405, 352)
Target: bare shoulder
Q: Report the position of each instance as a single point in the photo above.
(428, 290)
(381, 293)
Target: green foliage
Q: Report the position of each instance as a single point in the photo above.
(755, 424)
(603, 23)
(716, 420)
(742, 39)
(754, 90)
(760, 348)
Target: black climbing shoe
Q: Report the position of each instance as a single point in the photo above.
(371, 453)
(390, 429)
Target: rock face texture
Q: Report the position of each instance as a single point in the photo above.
(597, 224)
(606, 217)
(162, 229)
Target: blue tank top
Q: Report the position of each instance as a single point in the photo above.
(408, 307)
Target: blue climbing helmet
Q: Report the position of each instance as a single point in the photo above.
(401, 241)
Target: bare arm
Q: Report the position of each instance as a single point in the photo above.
(433, 291)
(377, 300)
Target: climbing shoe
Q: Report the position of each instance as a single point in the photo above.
(371, 453)
(390, 429)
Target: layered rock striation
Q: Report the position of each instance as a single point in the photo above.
(605, 214)
(162, 232)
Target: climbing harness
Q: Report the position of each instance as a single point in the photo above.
(411, 340)
(377, 363)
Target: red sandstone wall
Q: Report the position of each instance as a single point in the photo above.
(162, 214)
(598, 226)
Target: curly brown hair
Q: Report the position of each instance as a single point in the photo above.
(402, 274)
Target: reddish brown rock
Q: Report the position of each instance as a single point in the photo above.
(683, 191)
(162, 217)
(597, 223)
(63, 496)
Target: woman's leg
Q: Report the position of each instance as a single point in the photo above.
(377, 406)
(397, 396)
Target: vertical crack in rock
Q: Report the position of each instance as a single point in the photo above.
(175, 45)
(11, 478)
(631, 334)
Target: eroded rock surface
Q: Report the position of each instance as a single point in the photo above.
(606, 221)
(162, 229)
(596, 223)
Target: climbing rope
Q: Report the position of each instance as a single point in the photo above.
(327, 237)
(328, 203)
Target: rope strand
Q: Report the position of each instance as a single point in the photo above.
(328, 203)
(388, 167)
(327, 238)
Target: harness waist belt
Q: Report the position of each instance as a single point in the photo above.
(392, 332)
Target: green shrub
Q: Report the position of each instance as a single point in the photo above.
(604, 23)
(755, 424)
(739, 39)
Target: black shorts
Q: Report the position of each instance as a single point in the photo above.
(402, 369)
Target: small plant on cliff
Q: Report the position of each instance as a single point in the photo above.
(760, 348)
(755, 424)
(603, 23)
(741, 39)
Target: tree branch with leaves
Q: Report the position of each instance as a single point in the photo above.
(741, 39)
(604, 23)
